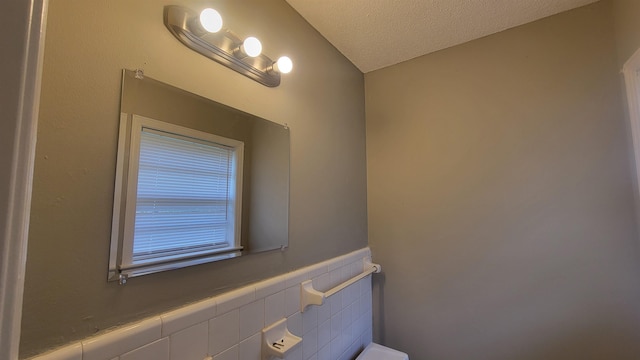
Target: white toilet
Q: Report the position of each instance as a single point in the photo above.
(378, 352)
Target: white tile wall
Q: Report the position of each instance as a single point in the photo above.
(157, 350)
(191, 343)
(228, 326)
(71, 352)
(251, 319)
(224, 332)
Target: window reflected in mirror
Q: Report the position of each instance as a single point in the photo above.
(196, 181)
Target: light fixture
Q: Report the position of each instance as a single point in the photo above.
(211, 20)
(252, 46)
(284, 65)
(203, 32)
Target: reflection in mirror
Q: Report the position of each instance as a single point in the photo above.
(196, 181)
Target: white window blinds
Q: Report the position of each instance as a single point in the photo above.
(185, 195)
(178, 198)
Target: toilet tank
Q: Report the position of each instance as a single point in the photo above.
(378, 352)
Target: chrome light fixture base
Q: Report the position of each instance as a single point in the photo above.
(221, 46)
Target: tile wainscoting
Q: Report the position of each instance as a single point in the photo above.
(228, 326)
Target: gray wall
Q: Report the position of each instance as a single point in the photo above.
(626, 17)
(501, 198)
(270, 180)
(67, 296)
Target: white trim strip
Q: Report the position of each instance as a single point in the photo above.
(632, 83)
(19, 176)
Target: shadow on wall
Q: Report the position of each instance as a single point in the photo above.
(377, 283)
(591, 335)
(576, 343)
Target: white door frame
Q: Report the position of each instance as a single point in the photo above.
(631, 72)
(22, 30)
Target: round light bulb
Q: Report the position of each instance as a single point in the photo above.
(284, 65)
(211, 20)
(252, 46)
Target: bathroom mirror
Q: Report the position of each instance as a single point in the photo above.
(263, 207)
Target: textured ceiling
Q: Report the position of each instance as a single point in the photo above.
(377, 33)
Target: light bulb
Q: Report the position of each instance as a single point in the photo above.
(211, 20)
(252, 46)
(284, 65)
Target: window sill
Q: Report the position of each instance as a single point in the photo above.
(122, 275)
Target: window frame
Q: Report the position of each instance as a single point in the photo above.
(121, 265)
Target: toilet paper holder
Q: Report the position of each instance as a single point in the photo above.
(277, 340)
